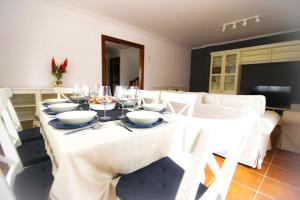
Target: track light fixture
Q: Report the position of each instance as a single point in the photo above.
(244, 22)
(234, 25)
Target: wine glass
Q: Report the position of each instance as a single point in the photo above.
(93, 93)
(135, 96)
(105, 95)
(77, 92)
(85, 93)
(122, 96)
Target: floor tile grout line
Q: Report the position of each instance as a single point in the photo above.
(266, 195)
(264, 176)
(244, 185)
(285, 169)
(296, 188)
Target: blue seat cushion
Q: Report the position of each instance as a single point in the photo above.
(34, 182)
(30, 134)
(33, 152)
(157, 181)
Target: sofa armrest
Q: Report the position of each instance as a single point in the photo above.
(269, 121)
(291, 117)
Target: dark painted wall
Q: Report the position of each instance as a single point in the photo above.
(281, 74)
(200, 61)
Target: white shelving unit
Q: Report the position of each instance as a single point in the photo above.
(25, 101)
(224, 72)
(225, 65)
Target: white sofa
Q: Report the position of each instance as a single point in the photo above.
(219, 105)
(290, 130)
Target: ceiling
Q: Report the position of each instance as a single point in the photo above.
(198, 22)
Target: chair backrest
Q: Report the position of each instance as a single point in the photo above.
(6, 94)
(9, 123)
(11, 157)
(179, 103)
(149, 96)
(62, 91)
(237, 130)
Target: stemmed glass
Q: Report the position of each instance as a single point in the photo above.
(105, 94)
(85, 92)
(135, 96)
(122, 96)
(77, 92)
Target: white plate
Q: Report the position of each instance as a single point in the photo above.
(153, 107)
(76, 117)
(110, 106)
(53, 101)
(63, 107)
(143, 117)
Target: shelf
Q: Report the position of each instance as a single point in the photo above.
(26, 119)
(24, 106)
(229, 74)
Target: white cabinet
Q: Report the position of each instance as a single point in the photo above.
(224, 72)
(278, 52)
(225, 65)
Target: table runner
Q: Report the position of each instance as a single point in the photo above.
(88, 161)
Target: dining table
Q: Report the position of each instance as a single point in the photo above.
(86, 164)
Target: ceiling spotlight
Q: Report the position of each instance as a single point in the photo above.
(234, 25)
(257, 19)
(243, 22)
(224, 28)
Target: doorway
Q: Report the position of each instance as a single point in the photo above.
(126, 67)
(114, 75)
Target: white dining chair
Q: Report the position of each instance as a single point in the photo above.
(5, 191)
(31, 152)
(28, 183)
(7, 94)
(165, 179)
(22, 136)
(149, 96)
(179, 103)
(62, 91)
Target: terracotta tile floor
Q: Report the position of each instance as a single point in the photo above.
(279, 178)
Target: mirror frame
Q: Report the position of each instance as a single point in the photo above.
(105, 38)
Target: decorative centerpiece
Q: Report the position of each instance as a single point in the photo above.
(58, 71)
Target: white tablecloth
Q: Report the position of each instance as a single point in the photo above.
(86, 162)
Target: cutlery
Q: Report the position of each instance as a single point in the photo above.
(125, 127)
(93, 126)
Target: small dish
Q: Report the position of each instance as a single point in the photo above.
(59, 125)
(110, 106)
(76, 117)
(143, 117)
(48, 111)
(129, 123)
(54, 101)
(63, 107)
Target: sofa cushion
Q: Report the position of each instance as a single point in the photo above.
(256, 102)
(215, 111)
(268, 122)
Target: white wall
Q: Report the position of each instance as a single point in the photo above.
(129, 65)
(32, 31)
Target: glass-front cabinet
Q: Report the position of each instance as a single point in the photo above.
(224, 71)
